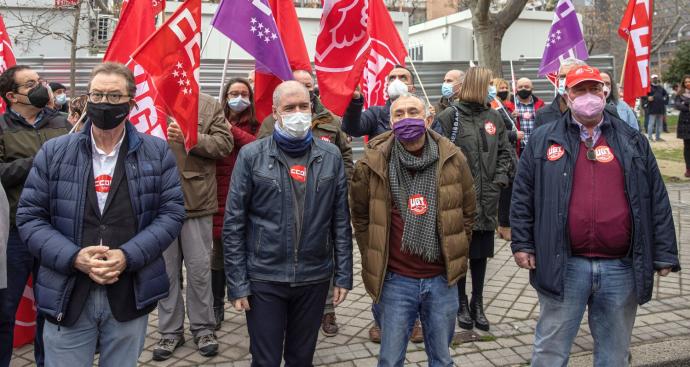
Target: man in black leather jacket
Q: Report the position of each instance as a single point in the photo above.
(287, 233)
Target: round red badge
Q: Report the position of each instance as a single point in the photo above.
(603, 154)
(490, 127)
(326, 139)
(102, 183)
(298, 173)
(555, 152)
(417, 204)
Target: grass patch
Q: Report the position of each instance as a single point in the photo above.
(487, 338)
(674, 155)
(671, 122)
(670, 179)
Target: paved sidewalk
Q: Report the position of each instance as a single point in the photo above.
(511, 306)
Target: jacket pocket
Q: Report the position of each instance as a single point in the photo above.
(257, 241)
(324, 182)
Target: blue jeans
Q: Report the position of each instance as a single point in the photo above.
(606, 287)
(655, 124)
(20, 264)
(121, 343)
(402, 300)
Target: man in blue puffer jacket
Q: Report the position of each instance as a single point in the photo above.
(98, 209)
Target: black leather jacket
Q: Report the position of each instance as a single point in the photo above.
(258, 227)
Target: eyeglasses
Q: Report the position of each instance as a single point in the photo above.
(30, 84)
(591, 155)
(114, 98)
(237, 94)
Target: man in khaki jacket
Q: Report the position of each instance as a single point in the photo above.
(413, 205)
(198, 176)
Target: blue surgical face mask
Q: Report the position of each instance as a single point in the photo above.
(61, 99)
(561, 86)
(492, 92)
(447, 90)
(238, 104)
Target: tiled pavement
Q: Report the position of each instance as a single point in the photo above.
(511, 306)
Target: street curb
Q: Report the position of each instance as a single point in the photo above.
(673, 352)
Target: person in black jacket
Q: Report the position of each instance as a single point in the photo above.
(657, 99)
(287, 233)
(591, 220)
(682, 104)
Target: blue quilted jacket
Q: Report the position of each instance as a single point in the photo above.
(51, 209)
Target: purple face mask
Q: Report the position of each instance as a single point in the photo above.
(409, 129)
(587, 106)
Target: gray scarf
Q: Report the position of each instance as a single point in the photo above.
(415, 194)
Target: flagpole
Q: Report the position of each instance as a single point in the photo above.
(419, 79)
(225, 67)
(203, 46)
(625, 61)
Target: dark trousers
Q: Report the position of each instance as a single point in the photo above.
(686, 153)
(20, 264)
(284, 322)
(504, 206)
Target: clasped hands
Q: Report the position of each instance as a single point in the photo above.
(101, 264)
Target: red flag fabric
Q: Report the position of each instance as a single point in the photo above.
(636, 30)
(341, 51)
(158, 6)
(171, 57)
(288, 25)
(7, 59)
(387, 50)
(25, 318)
(135, 26)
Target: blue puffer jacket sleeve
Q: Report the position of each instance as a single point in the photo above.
(151, 241)
(52, 249)
(522, 204)
(234, 227)
(342, 233)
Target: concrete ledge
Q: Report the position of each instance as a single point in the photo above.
(667, 353)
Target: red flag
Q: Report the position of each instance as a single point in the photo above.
(341, 51)
(7, 59)
(636, 30)
(387, 50)
(25, 318)
(158, 6)
(288, 25)
(135, 25)
(171, 57)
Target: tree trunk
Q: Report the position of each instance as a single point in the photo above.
(489, 39)
(73, 51)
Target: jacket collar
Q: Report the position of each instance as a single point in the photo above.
(274, 151)
(131, 133)
(378, 151)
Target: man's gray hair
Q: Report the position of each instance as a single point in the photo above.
(411, 95)
(288, 86)
(573, 61)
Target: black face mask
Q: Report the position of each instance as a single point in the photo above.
(524, 93)
(107, 116)
(502, 95)
(38, 96)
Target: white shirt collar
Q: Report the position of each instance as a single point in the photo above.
(98, 151)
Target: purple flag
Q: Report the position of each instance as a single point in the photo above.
(250, 24)
(564, 40)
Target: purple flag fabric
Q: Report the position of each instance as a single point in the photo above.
(564, 40)
(250, 24)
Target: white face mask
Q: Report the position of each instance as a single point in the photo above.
(396, 88)
(607, 91)
(296, 124)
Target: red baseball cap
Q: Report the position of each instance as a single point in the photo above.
(582, 74)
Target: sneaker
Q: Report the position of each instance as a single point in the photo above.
(660, 139)
(165, 348)
(417, 334)
(208, 345)
(375, 334)
(328, 325)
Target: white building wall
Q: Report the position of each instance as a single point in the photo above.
(451, 38)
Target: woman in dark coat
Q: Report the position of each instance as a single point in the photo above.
(682, 103)
(481, 134)
(238, 106)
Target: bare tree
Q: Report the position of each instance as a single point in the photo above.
(30, 27)
(490, 27)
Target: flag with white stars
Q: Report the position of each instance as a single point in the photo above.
(7, 59)
(564, 40)
(250, 24)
